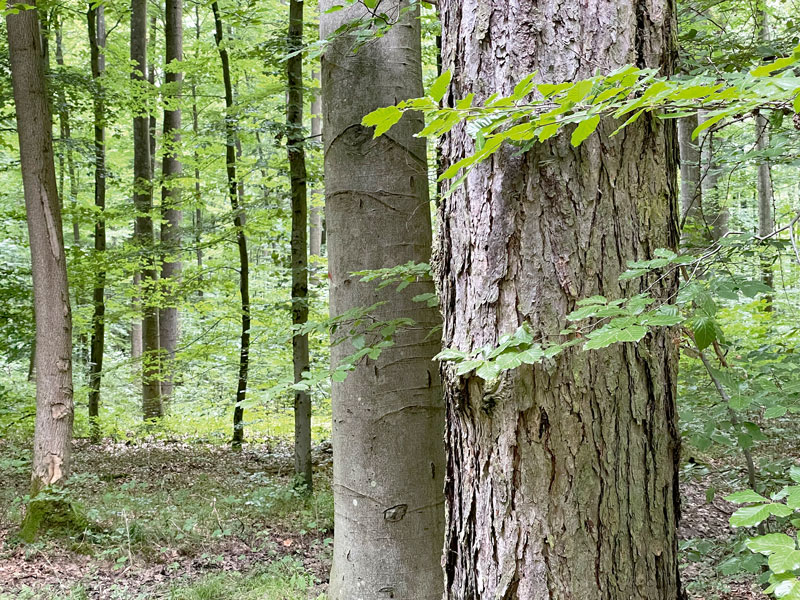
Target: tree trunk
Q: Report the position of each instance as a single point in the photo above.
(54, 407)
(766, 213)
(714, 214)
(95, 16)
(691, 196)
(295, 144)
(388, 413)
(315, 219)
(561, 478)
(143, 231)
(171, 214)
(198, 211)
(234, 190)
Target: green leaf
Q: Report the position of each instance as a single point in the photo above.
(773, 542)
(794, 473)
(487, 371)
(358, 341)
(749, 516)
(784, 560)
(439, 87)
(779, 510)
(745, 496)
(705, 331)
(548, 131)
(450, 354)
(793, 497)
(468, 366)
(774, 412)
(382, 119)
(584, 130)
(607, 335)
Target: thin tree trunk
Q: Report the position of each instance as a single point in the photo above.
(234, 189)
(143, 201)
(66, 141)
(691, 196)
(388, 413)
(714, 214)
(766, 213)
(315, 220)
(171, 213)
(95, 16)
(562, 479)
(295, 144)
(198, 211)
(54, 407)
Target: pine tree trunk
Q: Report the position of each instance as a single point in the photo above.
(295, 144)
(95, 16)
(234, 193)
(388, 413)
(561, 479)
(171, 213)
(143, 231)
(54, 407)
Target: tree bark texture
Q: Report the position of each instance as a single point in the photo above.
(53, 357)
(143, 230)
(295, 144)
(388, 413)
(95, 17)
(234, 192)
(561, 478)
(766, 212)
(171, 213)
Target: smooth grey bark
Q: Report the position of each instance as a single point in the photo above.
(766, 213)
(388, 413)
(295, 145)
(714, 214)
(95, 16)
(691, 195)
(66, 142)
(143, 229)
(235, 193)
(562, 479)
(198, 211)
(315, 212)
(171, 212)
(53, 357)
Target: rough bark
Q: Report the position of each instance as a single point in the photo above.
(388, 413)
(53, 358)
(561, 478)
(295, 145)
(171, 213)
(315, 212)
(143, 230)
(234, 192)
(691, 196)
(95, 16)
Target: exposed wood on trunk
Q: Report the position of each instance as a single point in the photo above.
(54, 406)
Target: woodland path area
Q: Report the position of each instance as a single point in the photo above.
(179, 520)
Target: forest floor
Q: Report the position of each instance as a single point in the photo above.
(188, 521)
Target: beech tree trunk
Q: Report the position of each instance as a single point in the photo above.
(691, 191)
(53, 358)
(388, 413)
(766, 213)
(234, 192)
(714, 214)
(95, 17)
(315, 212)
(198, 211)
(561, 478)
(295, 144)
(143, 230)
(171, 213)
